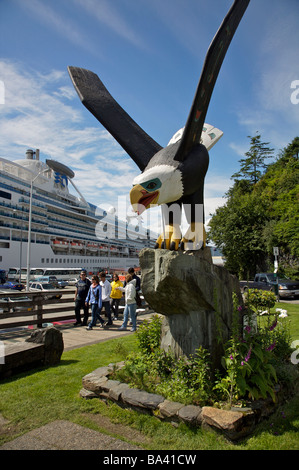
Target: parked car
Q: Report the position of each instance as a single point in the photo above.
(45, 287)
(14, 300)
(62, 283)
(12, 285)
(72, 282)
(49, 279)
(269, 281)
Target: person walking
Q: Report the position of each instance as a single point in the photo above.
(115, 296)
(130, 302)
(94, 297)
(82, 288)
(106, 291)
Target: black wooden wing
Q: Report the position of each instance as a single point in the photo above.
(211, 68)
(97, 99)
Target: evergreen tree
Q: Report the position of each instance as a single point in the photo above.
(253, 166)
(258, 216)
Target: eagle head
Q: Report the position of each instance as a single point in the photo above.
(158, 185)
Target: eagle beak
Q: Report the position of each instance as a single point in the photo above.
(142, 199)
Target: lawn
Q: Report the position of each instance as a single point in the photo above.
(43, 395)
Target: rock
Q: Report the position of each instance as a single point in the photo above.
(141, 399)
(52, 340)
(87, 394)
(94, 382)
(190, 414)
(195, 297)
(169, 409)
(116, 392)
(235, 424)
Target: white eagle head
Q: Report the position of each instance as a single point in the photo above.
(158, 185)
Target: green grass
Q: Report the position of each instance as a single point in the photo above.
(293, 316)
(43, 395)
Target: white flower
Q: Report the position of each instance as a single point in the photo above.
(283, 313)
(265, 312)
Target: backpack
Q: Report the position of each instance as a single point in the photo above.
(138, 300)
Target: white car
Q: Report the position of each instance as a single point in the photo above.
(44, 287)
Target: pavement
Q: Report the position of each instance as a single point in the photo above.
(65, 435)
(75, 336)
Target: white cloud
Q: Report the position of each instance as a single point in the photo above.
(46, 114)
(40, 114)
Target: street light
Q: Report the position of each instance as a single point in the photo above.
(21, 246)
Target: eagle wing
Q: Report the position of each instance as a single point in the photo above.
(211, 68)
(97, 99)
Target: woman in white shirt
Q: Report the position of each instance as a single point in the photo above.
(130, 302)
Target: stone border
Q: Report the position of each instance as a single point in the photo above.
(234, 424)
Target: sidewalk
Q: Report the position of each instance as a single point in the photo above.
(64, 435)
(76, 336)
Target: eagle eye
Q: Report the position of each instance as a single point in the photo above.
(151, 185)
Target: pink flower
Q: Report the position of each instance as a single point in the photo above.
(273, 326)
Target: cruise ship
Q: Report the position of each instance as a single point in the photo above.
(66, 230)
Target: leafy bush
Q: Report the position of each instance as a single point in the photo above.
(149, 335)
(252, 356)
(180, 379)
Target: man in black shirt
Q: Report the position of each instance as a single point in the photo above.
(82, 288)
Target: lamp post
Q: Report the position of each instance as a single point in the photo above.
(21, 246)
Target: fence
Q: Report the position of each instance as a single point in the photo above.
(36, 309)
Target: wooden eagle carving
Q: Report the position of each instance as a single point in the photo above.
(172, 176)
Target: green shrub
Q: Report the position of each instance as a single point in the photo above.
(149, 334)
(252, 356)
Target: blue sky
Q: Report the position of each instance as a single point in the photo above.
(149, 54)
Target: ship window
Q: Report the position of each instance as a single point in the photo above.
(5, 194)
(42, 260)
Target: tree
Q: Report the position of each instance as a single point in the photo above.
(258, 216)
(236, 230)
(253, 165)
